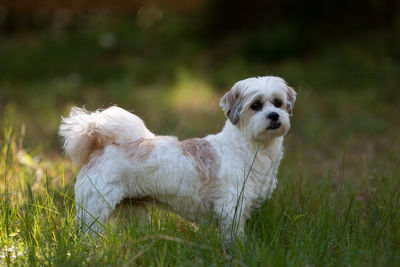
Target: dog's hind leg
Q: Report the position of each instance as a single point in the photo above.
(96, 197)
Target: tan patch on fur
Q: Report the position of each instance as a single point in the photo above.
(100, 142)
(140, 149)
(204, 159)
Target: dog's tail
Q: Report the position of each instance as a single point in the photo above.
(84, 132)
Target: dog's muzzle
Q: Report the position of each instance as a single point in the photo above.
(274, 121)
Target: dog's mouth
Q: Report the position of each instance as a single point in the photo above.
(274, 125)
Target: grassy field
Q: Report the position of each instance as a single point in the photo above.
(338, 197)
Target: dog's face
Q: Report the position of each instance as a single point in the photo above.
(260, 107)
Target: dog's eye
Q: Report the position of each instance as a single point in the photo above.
(277, 103)
(256, 106)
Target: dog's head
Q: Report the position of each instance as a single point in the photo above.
(260, 107)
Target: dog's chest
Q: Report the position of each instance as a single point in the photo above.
(257, 175)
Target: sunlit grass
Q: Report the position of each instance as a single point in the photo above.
(309, 220)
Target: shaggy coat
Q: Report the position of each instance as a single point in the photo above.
(221, 175)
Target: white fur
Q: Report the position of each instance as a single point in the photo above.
(112, 172)
(81, 127)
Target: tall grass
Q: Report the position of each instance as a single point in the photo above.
(307, 222)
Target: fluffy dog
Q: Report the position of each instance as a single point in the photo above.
(226, 175)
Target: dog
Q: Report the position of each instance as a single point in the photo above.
(226, 175)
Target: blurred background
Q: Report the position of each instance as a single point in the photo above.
(170, 61)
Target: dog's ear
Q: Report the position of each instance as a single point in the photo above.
(291, 98)
(231, 103)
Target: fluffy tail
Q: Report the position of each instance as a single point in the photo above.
(84, 132)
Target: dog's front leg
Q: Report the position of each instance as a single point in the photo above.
(233, 216)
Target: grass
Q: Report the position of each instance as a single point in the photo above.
(308, 221)
(338, 197)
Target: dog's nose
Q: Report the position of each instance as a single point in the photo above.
(273, 116)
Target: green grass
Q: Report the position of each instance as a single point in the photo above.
(338, 197)
(308, 221)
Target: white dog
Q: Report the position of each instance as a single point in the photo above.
(226, 175)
